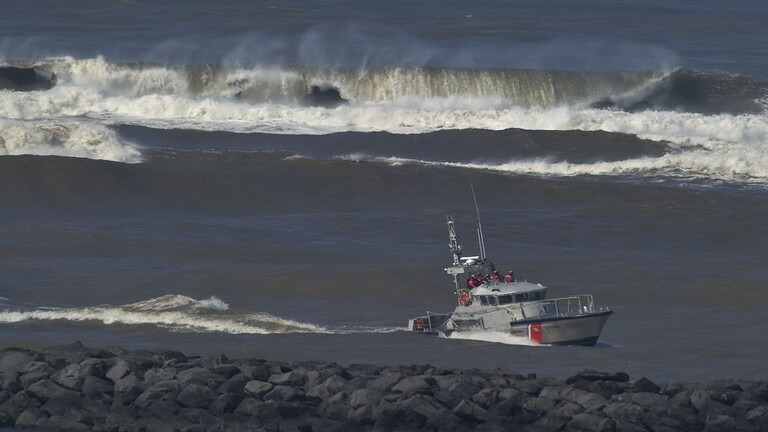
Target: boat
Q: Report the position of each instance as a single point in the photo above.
(503, 304)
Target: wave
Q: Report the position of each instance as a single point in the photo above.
(495, 337)
(691, 91)
(64, 138)
(179, 313)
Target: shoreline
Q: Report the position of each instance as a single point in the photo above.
(74, 387)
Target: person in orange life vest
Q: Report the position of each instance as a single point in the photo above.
(495, 276)
(509, 277)
(472, 282)
(480, 278)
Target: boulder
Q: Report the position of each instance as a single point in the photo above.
(235, 384)
(257, 389)
(590, 423)
(295, 378)
(45, 390)
(225, 404)
(470, 411)
(127, 388)
(645, 385)
(592, 375)
(13, 360)
(281, 393)
(196, 396)
(412, 385)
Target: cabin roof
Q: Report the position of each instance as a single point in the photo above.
(506, 288)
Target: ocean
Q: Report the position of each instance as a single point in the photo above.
(271, 179)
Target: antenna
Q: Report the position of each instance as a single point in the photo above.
(480, 240)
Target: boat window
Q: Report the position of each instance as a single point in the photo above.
(493, 301)
(483, 300)
(518, 297)
(505, 299)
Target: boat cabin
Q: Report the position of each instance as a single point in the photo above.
(503, 293)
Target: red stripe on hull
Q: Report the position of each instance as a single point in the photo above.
(534, 332)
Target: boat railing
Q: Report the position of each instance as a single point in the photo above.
(557, 307)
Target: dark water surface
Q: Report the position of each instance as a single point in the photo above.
(168, 181)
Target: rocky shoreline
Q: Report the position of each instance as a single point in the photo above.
(78, 388)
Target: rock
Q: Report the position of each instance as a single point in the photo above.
(562, 393)
(283, 393)
(384, 383)
(364, 397)
(470, 411)
(34, 372)
(196, 396)
(197, 375)
(590, 423)
(645, 385)
(227, 371)
(334, 407)
(486, 397)
(592, 375)
(155, 375)
(30, 417)
(649, 401)
(539, 405)
(225, 404)
(73, 375)
(127, 389)
(13, 360)
(46, 390)
(257, 389)
(292, 378)
(412, 385)
(620, 409)
(235, 384)
(120, 369)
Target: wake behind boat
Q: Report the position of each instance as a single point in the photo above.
(489, 302)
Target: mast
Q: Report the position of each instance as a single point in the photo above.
(453, 241)
(480, 240)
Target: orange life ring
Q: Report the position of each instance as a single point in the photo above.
(464, 298)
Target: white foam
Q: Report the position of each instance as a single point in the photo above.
(64, 138)
(172, 312)
(724, 147)
(495, 337)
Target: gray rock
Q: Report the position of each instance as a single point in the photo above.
(235, 384)
(620, 409)
(412, 385)
(592, 402)
(283, 393)
(539, 405)
(257, 389)
(155, 375)
(364, 397)
(46, 390)
(592, 375)
(649, 401)
(34, 372)
(227, 371)
(30, 417)
(486, 397)
(120, 369)
(13, 360)
(73, 375)
(384, 383)
(198, 375)
(470, 411)
(334, 384)
(169, 423)
(562, 393)
(225, 404)
(645, 385)
(127, 389)
(334, 407)
(294, 378)
(196, 396)
(590, 423)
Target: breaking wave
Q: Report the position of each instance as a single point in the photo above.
(64, 138)
(495, 337)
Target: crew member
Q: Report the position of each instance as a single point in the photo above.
(509, 277)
